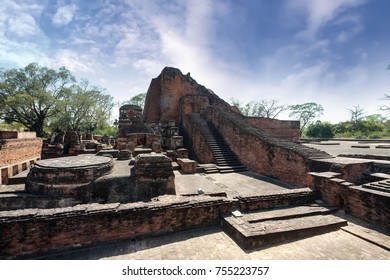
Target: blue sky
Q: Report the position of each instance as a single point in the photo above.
(333, 52)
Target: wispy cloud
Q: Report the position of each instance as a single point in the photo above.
(64, 15)
(19, 19)
(300, 52)
(18, 30)
(76, 62)
(319, 13)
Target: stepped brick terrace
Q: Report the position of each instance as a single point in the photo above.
(189, 177)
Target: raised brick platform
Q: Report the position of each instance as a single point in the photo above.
(66, 176)
(268, 227)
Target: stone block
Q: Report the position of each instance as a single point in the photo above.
(138, 151)
(156, 147)
(113, 153)
(124, 155)
(182, 153)
(154, 175)
(131, 146)
(187, 166)
(176, 142)
(151, 138)
(171, 154)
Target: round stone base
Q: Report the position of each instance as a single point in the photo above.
(66, 175)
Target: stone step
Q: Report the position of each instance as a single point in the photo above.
(377, 187)
(223, 152)
(211, 170)
(225, 158)
(269, 227)
(19, 178)
(228, 163)
(288, 213)
(229, 168)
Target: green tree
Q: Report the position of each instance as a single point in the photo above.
(306, 113)
(320, 130)
(39, 97)
(357, 116)
(30, 95)
(266, 108)
(372, 126)
(83, 107)
(138, 100)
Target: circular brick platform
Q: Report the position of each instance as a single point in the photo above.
(66, 175)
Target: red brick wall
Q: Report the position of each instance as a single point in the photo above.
(198, 143)
(288, 197)
(14, 151)
(365, 204)
(260, 151)
(368, 205)
(43, 230)
(17, 135)
(164, 93)
(280, 128)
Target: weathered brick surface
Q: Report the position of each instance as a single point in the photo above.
(369, 205)
(42, 230)
(196, 140)
(260, 151)
(279, 128)
(154, 175)
(290, 197)
(163, 99)
(14, 151)
(164, 93)
(17, 135)
(187, 166)
(351, 170)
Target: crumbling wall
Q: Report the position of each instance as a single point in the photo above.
(260, 151)
(35, 231)
(371, 206)
(285, 198)
(13, 151)
(279, 128)
(17, 154)
(164, 93)
(195, 138)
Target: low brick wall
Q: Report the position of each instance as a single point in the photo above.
(285, 198)
(279, 128)
(17, 135)
(17, 155)
(33, 231)
(371, 206)
(13, 151)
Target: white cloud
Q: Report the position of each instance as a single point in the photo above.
(18, 31)
(20, 54)
(320, 12)
(64, 15)
(149, 66)
(75, 62)
(23, 25)
(19, 19)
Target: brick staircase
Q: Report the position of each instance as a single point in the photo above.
(225, 159)
(270, 226)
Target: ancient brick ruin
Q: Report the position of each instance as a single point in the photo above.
(18, 151)
(93, 189)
